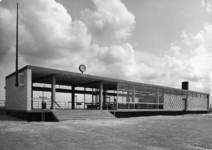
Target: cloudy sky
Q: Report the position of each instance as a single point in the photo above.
(159, 42)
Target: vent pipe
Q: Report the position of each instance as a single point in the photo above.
(185, 85)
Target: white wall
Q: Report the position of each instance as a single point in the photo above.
(19, 98)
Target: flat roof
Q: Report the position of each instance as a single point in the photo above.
(67, 78)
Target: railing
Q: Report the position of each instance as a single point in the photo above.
(37, 104)
(106, 106)
(56, 103)
(2, 103)
(138, 105)
(110, 106)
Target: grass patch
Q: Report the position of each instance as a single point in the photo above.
(190, 132)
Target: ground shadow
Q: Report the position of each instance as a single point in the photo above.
(5, 117)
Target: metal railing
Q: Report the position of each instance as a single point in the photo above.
(2, 103)
(37, 104)
(139, 105)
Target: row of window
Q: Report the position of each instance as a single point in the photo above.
(149, 89)
(127, 96)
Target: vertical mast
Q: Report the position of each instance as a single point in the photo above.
(16, 74)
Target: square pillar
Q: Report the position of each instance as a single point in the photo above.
(100, 95)
(53, 90)
(133, 94)
(185, 100)
(73, 97)
(104, 98)
(157, 98)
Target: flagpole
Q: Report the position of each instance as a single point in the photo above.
(16, 82)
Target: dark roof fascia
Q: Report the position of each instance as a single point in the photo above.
(99, 78)
(20, 70)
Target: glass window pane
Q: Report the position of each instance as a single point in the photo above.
(173, 92)
(144, 98)
(166, 91)
(124, 96)
(160, 91)
(198, 95)
(137, 97)
(131, 87)
(122, 86)
(143, 88)
(137, 88)
(202, 95)
(160, 98)
(151, 89)
(184, 94)
(194, 95)
(152, 98)
(179, 92)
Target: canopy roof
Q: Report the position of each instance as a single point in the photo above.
(67, 78)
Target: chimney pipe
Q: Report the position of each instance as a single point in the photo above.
(185, 85)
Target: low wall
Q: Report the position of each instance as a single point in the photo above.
(128, 114)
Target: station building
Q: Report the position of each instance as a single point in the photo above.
(101, 97)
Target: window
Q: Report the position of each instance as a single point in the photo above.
(160, 91)
(202, 95)
(143, 88)
(166, 91)
(160, 98)
(151, 89)
(198, 95)
(137, 88)
(137, 97)
(152, 98)
(122, 86)
(179, 92)
(131, 87)
(184, 94)
(174, 92)
(144, 97)
(124, 96)
(194, 94)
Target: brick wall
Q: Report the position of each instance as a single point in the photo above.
(195, 103)
(176, 102)
(19, 98)
(173, 102)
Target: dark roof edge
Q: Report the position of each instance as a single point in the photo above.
(20, 70)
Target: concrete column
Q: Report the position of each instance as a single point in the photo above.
(73, 97)
(96, 98)
(128, 96)
(104, 97)
(133, 94)
(92, 97)
(100, 95)
(208, 104)
(53, 92)
(32, 97)
(157, 98)
(185, 103)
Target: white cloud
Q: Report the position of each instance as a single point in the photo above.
(110, 20)
(207, 4)
(49, 37)
(192, 61)
(46, 31)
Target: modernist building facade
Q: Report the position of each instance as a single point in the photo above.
(103, 93)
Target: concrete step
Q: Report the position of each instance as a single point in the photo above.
(82, 114)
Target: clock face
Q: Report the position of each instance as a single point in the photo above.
(82, 68)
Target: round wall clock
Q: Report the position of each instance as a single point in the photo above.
(82, 68)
